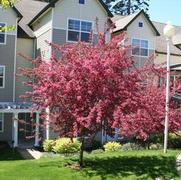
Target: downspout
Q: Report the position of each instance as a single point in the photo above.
(15, 54)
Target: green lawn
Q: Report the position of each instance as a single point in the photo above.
(130, 165)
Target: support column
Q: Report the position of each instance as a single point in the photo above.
(15, 127)
(37, 130)
(48, 124)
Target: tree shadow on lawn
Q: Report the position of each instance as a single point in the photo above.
(124, 166)
(8, 154)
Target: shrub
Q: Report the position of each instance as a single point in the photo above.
(156, 146)
(112, 146)
(48, 145)
(97, 151)
(131, 146)
(65, 146)
(174, 140)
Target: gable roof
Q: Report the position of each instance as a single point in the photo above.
(177, 40)
(161, 40)
(122, 22)
(29, 9)
(52, 4)
(17, 12)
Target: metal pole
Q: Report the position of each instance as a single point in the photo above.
(167, 97)
(37, 130)
(48, 124)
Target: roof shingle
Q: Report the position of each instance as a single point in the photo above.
(29, 9)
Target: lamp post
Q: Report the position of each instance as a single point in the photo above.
(169, 32)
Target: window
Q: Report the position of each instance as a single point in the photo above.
(79, 30)
(140, 47)
(2, 33)
(2, 76)
(1, 122)
(81, 1)
(140, 24)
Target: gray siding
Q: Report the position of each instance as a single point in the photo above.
(24, 46)
(7, 134)
(59, 36)
(7, 55)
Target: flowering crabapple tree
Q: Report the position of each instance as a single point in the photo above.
(93, 87)
(150, 116)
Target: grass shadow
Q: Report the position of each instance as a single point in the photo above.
(8, 154)
(144, 167)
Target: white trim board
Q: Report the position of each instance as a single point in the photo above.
(4, 76)
(1, 131)
(43, 29)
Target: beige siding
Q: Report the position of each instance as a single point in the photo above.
(44, 22)
(43, 48)
(24, 46)
(43, 32)
(146, 33)
(65, 9)
(9, 17)
(161, 58)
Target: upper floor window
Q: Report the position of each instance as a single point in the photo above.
(1, 122)
(81, 1)
(79, 30)
(140, 47)
(2, 33)
(140, 24)
(2, 76)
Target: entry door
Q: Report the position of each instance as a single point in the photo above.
(26, 126)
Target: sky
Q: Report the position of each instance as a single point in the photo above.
(165, 10)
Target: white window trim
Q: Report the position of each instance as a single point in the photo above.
(5, 34)
(140, 48)
(77, 30)
(3, 77)
(1, 131)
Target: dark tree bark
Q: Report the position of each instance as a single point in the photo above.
(129, 7)
(81, 159)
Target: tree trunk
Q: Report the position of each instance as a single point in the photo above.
(81, 160)
(129, 7)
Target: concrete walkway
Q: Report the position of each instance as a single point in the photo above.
(30, 153)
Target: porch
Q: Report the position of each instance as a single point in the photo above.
(25, 131)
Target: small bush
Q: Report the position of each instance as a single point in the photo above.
(65, 146)
(174, 140)
(97, 151)
(131, 146)
(156, 146)
(48, 145)
(112, 146)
